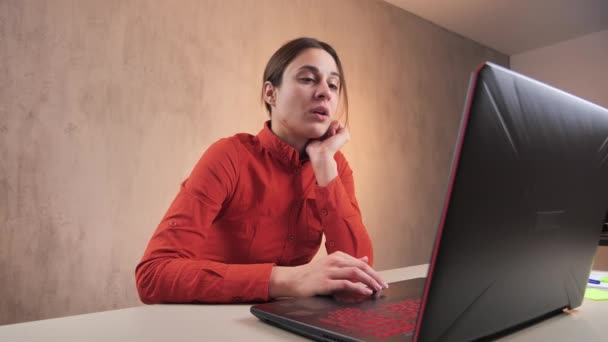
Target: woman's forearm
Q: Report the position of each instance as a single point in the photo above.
(325, 169)
(281, 282)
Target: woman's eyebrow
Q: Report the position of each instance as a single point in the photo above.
(314, 69)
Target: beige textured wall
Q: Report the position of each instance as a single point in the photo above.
(105, 106)
(578, 66)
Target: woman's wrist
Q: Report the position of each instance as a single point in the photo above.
(325, 168)
(282, 282)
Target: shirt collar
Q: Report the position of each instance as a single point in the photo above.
(279, 149)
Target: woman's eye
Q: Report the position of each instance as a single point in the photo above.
(333, 86)
(307, 79)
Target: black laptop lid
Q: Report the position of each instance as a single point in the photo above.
(525, 208)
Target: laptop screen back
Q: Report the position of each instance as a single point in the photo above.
(527, 203)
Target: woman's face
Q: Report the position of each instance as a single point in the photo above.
(305, 103)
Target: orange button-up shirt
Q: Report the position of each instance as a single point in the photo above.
(250, 203)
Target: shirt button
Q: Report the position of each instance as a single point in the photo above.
(324, 212)
(237, 299)
(331, 243)
(172, 224)
(291, 237)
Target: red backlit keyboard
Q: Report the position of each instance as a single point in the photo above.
(382, 322)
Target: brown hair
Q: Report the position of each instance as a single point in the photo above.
(279, 61)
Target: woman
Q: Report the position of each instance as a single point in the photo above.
(249, 219)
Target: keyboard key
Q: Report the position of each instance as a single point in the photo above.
(381, 322)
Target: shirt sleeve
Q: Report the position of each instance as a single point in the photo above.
(173, 269)
(340, 214)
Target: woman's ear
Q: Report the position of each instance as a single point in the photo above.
(270, 93)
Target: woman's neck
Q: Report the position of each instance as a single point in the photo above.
(299, 144)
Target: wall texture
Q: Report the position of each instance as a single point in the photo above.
(578, 66)
(105, 106)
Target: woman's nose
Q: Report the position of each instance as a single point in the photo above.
(323, 91)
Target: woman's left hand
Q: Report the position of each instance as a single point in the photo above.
(321, 152)
(337, 135)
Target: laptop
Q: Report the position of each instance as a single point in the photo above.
(524, 209)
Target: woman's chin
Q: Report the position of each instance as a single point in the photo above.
(316, 131)
(317, 134)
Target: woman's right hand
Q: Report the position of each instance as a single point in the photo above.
(337, 272)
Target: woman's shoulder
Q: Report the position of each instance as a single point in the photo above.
(230, 147)
(235, 141)
(244, 139)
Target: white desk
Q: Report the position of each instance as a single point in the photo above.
(197, 323)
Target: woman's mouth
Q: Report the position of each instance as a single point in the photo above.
(320, 117)
(320, 113)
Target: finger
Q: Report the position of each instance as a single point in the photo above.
(346, 260)
(337, 128)
(346, 285)
(343, 132)
(333, 128)
(356, 275)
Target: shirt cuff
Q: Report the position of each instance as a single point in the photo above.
(247, 283)
(333, 200)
